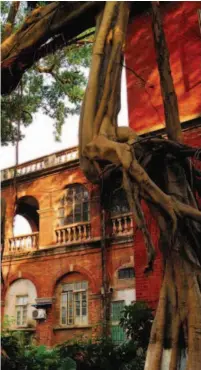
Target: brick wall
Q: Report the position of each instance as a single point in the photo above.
(145, 107)
(52, 264)
(148, 287)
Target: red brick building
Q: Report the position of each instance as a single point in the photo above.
(59, 267)
(182, 26)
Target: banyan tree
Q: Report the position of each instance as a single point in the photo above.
(105, 149)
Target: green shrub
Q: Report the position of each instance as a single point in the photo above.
(19, 354)
(137, 320)
(16, 355)
(104, 354)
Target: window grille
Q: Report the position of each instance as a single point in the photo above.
(21, 310)
(74, 205)
(126, 273)
(117, 333)
(74, 310)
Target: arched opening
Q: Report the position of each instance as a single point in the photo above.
(21, 226)
(26, 218)
(19, 301)
(25, 225)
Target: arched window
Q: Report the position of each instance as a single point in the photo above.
(119, 203)
(74, 205)
(19, 301)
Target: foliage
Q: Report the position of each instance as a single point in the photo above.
(104, 354)
(18, 353)
(36, 358)
(136, 320)
(18, 356)
(55, 87)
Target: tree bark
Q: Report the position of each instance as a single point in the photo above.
(103, 144)
(169, 96)
(177, 324)
(8, 28)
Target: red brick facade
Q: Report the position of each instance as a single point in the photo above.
(145, 107)
(52, 264)
(182, 31)
(148, 287)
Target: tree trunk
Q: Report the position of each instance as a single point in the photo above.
(105, 147)
(177, 325)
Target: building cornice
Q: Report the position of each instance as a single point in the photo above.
(42, 166)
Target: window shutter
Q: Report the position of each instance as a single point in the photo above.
(118, 334)
(117, 307)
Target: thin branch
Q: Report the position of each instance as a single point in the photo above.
(45, 69)
(58, 43)
(50, 71)
(144, 82)
(169, 96)
(8, 28)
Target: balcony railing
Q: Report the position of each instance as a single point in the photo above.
(40, 164)
(122, 225)
(68, 234)
(24, 243)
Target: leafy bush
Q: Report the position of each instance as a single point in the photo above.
(104, 355)
(137, 320)
(18, 354)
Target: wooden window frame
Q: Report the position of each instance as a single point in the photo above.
(74, 291)
(21, 308)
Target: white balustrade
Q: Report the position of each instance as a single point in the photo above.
(68, 234)
(24, 243)
(122, 225)
(38, 165)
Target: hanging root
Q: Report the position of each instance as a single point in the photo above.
(132, 191)
(155, 348)
(119, 154)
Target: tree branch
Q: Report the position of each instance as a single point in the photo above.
(170, 103)
(58, 43)
(8, 28)
(45, 27)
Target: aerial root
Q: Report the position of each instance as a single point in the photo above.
(132, 191)
(155, 348)
(135, 177)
